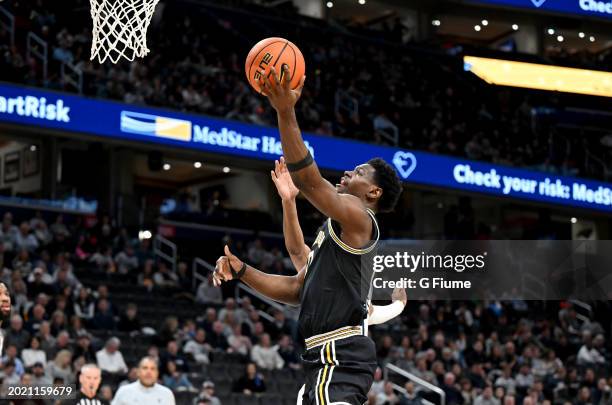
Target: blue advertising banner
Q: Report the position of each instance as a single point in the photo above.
(592, 8)
(71, 113)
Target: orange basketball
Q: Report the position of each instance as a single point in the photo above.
(274, 52)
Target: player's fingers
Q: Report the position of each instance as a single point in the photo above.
(227, 252)
(274, 75)
(268, 83)
(263, 90)
(263, 86)
(285, 76)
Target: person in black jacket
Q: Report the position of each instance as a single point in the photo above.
(251, 382)
(129, 321)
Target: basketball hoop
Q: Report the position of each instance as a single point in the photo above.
(120, 28)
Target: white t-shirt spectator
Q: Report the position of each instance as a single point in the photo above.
(125, 263)
(523, 380)
(507, 383)
(111, 362)
(165, 279)
(239, 344)
(33, 356)
(209, 294)
(27, 242)
(267, 358)
(588, 356)
(481, 400)
(137, 394)
(199, 351)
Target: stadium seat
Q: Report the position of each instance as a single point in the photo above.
(286, 388)
(184, 397)
(243, 399)
(223, 385)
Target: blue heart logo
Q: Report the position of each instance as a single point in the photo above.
(538, 3)
(405, 163)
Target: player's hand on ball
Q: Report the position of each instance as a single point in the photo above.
(282, 180)
(278, 90)
(399, 294)
(222, 268)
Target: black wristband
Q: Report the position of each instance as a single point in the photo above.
(240, 273)
(307, 161)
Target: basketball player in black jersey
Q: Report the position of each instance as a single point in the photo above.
(339, 359)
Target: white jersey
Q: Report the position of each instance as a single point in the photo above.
(137, 394)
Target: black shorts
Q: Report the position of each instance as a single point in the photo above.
(339, 372)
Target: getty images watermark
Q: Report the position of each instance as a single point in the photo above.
(412, 263)
(489, 270)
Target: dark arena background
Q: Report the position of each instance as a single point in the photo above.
(121, 183)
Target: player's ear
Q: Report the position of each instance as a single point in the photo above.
(375, 192)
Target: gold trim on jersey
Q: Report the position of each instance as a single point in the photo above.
(346, 247)
(323, 338)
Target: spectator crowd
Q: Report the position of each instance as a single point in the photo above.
(499, 352)
(365, 85)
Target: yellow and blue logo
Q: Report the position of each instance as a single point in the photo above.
(154, 125)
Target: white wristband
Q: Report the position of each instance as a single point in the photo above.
(383, 313)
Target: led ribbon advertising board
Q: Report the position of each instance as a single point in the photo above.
(591, 8)
(71, 113)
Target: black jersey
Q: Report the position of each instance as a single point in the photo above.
(333, 292)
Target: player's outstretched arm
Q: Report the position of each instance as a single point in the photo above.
(292, 232)
(348, 210)
(382, 313)
(285, 289)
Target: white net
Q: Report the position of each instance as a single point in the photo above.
(120, 28)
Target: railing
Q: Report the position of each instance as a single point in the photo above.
(403, 391)
(250, 291)
(590, 157)
(72, 76)
(7, 20)
(158, 244)
(196, 276)
(586, 309)
(199, 277)
(527, 280)
(394, 369)
(391, 134)
(38, 47)
(274, 3)
(345, 102)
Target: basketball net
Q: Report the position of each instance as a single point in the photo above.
(120, 29)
